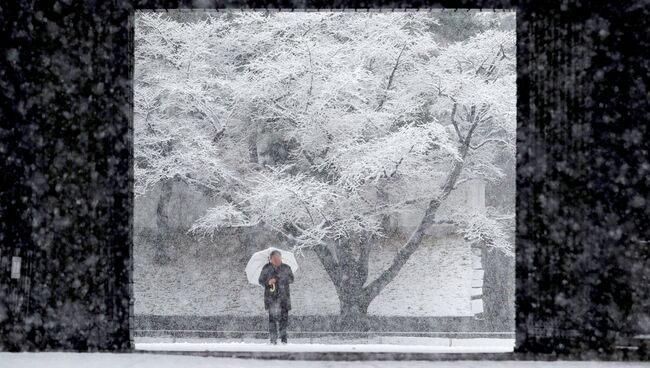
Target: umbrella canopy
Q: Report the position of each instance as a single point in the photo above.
(259, 259)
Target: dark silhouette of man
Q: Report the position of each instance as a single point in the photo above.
(276, 277)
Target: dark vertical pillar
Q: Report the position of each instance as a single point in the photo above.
(582, 166)
(65, 202)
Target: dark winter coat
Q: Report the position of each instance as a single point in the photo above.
(284, 277)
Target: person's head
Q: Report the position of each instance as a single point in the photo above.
(276, 258)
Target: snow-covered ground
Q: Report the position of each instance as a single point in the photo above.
(340, 340)
(106, 360)
(437, 346)
(376, 344)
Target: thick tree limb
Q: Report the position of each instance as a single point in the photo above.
(162, 215)
(406, 251)
(364, 255)
(330, 264)
(390, 79)
(346, 261)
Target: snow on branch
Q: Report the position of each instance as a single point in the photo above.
(225, 215)
(382, 158)
(277, 115)
(485, 228)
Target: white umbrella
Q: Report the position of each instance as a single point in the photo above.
(259, 259)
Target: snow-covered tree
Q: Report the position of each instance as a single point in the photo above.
(320, 126)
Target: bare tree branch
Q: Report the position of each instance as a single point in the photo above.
(311, 82)
(390, 79)
(400, 162)
(488, 141)
(304, 204)
(309, 29)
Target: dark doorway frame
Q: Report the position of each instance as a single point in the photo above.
(66, 199)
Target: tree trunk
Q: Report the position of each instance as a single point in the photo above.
(252, 147)
(354, 305)
(161, 254)
(354, 310)
(348, 274)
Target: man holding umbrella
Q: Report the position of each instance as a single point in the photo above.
(275, 278)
